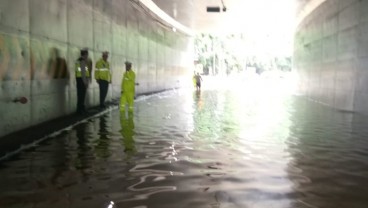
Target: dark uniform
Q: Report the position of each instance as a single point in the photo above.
(103, 77)
(82, 75)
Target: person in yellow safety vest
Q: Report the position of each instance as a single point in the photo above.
(82, 75)
(128, 88)
(103, 77)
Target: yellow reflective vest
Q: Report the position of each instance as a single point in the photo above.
(128, 82)
(78, 70)
(103, 70)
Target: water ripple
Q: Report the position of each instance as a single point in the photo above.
(208, 149)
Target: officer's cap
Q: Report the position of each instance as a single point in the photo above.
(84, 51)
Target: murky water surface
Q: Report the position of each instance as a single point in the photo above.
(249, 146)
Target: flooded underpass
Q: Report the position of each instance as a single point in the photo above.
(253, 146)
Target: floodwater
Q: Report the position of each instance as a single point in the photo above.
(253, 145)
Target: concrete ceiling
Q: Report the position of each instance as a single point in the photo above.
(264, 16)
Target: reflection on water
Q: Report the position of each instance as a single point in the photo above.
(249, 145)
(127, 131)
(102, 144)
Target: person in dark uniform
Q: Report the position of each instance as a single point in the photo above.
(83, 77)
(103, 77)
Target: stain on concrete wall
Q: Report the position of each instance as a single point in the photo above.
(40, 42)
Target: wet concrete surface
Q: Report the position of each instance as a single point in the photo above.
(251, 145)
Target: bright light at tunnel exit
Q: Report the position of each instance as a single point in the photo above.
(266, 29)
(259, 18)
(269, 23)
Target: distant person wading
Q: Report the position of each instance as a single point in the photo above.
(198, 79)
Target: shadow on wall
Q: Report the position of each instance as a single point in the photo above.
(57, 67)
(57, 70)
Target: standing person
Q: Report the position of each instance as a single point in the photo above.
(198, 80)
(82, 74)
(128, 88)
(194, 80)
(103, 77)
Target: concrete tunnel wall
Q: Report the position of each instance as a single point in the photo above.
(331, 54)
(40, 42)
